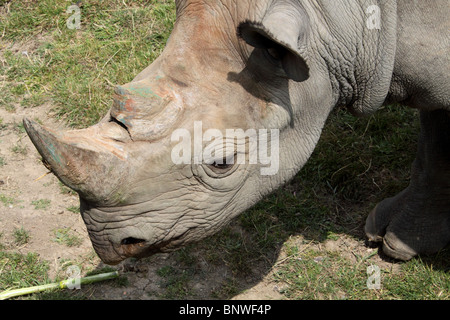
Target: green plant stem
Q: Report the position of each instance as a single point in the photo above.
(7, 294)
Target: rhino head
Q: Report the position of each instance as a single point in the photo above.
(160, 171)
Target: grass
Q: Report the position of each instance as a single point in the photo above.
(21, 236)
(334, 277)
(21, 270)
(74, 209)
(19, 149)
(357, 163)
(6, 200)
(2, 125)
(175, 281)
(76, 70)
(27, 270)
(41, 204)
(67, 237)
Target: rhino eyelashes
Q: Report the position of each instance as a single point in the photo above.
(222, 166)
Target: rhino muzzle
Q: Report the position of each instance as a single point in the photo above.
(95, 162)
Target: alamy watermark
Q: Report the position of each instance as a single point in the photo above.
(373, 20)
(234, 146)
(74, 280)
(74, 21)
(374, 277)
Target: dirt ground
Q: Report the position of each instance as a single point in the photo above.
(24, 180)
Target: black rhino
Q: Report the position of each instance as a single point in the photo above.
(160, 171)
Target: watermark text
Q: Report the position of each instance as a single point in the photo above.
(234, 146)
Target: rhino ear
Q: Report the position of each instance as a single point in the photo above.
(284, 29)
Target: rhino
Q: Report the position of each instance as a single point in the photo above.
(159, 171)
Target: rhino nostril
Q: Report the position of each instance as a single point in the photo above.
(131, 240)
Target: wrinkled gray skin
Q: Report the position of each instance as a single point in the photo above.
(276, 64)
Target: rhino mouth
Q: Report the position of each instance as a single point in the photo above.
(138, 248)
(131, 241)
(131, 247)
(113, 254)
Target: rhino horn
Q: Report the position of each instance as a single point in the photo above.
(84, 159)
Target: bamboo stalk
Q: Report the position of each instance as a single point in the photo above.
(7, 294)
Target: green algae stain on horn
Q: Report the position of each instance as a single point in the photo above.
(43, 141)
(55, 155)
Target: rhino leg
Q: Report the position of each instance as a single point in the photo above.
(417, 220)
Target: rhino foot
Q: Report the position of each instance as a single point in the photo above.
(417, 220)
(408, 227)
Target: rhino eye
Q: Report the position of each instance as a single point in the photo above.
(222, 166)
